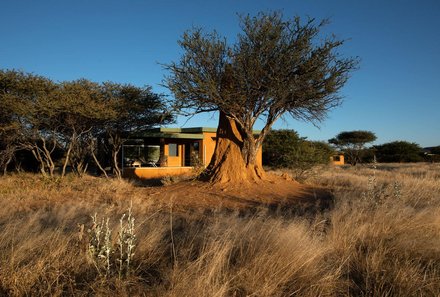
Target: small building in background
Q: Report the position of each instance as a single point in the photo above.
(337, 159)
(160, 152)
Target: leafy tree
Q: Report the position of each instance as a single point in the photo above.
(53, 116)
(286, 149)
(275, 67)
(353, 144)
(44, 118)
(9, 124)
(27, 99)
(321, 152)
(80, 107)
(399, 151)
(280, 148)
(137, 108)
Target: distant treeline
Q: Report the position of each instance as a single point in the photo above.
(46, 125)
(286, 149)
(353, 145)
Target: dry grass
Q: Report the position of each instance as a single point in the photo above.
(382, 238)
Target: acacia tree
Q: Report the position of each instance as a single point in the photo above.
(275, 67)
(27, 102)
(81, 107)
(9, 124)
(136, 108)
(352, 143)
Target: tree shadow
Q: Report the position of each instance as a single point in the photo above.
(308, 205)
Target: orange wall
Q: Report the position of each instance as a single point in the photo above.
(208, 146)
(340, 162)
(155, 172)
(174, 161)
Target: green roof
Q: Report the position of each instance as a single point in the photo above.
(182, 130)
(181, 133)
(148, 134)
(199, 130)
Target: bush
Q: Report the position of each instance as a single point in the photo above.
(399, 151)
(286, 149)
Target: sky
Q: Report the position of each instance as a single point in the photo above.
(394, 93)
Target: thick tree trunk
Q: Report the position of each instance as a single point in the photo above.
(234, 159)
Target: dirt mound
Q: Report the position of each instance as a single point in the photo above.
(275, 193)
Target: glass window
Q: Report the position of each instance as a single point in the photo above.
(152, 153)
(140, 154)
(173, 150)
(196, 146)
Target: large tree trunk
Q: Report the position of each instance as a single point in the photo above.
(234, 159)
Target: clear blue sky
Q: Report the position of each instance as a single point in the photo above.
(395, 93)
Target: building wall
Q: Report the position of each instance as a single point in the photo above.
(174, 161)
(337, 160)
(155, 172)
(208, 146)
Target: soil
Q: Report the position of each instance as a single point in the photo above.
(274, 194)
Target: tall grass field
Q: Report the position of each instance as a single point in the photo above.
(92, 236)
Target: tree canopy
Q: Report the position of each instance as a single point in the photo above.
(276, 66)
(25, 104)
(44, 117)
(399, 151)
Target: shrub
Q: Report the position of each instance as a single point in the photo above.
(286, 149)
(109, 258)
(399, 151)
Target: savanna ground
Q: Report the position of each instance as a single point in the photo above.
(360, 231)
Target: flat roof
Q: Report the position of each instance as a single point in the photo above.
(181, 133)
(199, 130)
(182, 130)
(147, 134)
